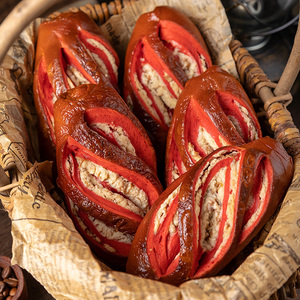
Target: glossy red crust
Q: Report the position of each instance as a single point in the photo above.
(64, 41)
(179, 256)
(150, 33)
(74, 112)
(208, 101)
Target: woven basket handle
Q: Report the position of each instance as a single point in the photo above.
(27, 10)
(275, 97)
(21, 15)
(292, 68)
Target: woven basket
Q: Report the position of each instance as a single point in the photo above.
(273, 97)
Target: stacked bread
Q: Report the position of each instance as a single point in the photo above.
(185, 125)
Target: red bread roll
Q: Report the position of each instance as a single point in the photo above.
(102, 157)
(212, 111)
(70, 51)
(165, 50)
(201, 221)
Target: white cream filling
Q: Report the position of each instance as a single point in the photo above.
(129, 102)
(193, 153)
(118, 133)
(107, 53)
(253, 134)
(111, 233)
(101, 64)
(98, 61)
(206, 142)
(175, 170)
(134, 199)
(104, 230)
(211, 212)
(144, 96)
(188, 64)
(158, 88)
(70, 83)
(212, 207)
(54, 98)
(262, 195)
(75, 76)
(234, 168)
(236, 124)
(162, 211)
(176, 89)
(174, 224)
(160, 92)
(223, 141)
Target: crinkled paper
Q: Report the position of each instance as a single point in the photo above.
(45, 241)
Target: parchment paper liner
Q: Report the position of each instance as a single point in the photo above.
(45, 241)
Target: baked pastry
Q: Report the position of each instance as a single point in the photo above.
(212, 111)
(106, 167)
(70, 51)
(165, 50)
(201, 221)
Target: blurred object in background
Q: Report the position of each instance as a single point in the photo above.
(6, 6)
(253, 22)
(267, 30)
